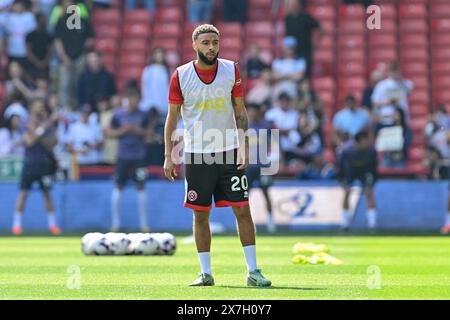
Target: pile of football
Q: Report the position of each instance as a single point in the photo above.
(120, 244)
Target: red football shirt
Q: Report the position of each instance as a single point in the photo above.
(207, 76)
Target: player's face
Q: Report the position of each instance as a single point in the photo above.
(207, 47)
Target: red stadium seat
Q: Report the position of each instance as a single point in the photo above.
(378, 40)
(259, 14)
(141, 30)
(440, 40)
(356, 41)
(418, 110)
(133, 59)
(167, 30)
(324, 56)
(137, 16)
(421, 82)
(106, 16)
(388, 10)
(134, 45)
(441, 81)
(328, 26)
(327, 41)
(442, 96)
(413, 25)
(130, 72)
(230, 29)
(233, 43)
(106, 44)
(383, 55)
(353, 11)
(323, 13)
(418, 124)
(409, 54)
(263, 42)
(440, 54)
(351, 84)
(440, 10)
(419, 97)
(323, 84)
(355, 55)
(169, 15)
(255, 29)
(231, 55)
(441, 25)
(414, 40)
(107, 31)
(414, 68)
(412, 10)
(165, 43)
(351, 69)
(441, 67)
(352, 27)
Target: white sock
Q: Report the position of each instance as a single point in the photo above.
(345, 218)
(250, 257)
(116, 199)
(205, 262)
(447, 218)
(142, 208)
(371, 217)
(17, 219)
(51, 219)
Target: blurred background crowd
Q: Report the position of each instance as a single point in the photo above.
(311, 68)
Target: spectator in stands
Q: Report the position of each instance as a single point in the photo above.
(396, 158)
(155, 83)
(39, 48)
(17, 80)
(305, 142)
(105, 116)
(199, 10)
(11, 137)
(70, 47)
(149, 4)
(18, 23)
(16, 107)
(375, 77)
(38, 90)
(254, 64)
(235, 10)
(95, 82)
(155, 139)
(300, 25)
(4, 7)
(284, 118)
(84, 139)
(437, 139)
(60, 11)
(393, 90)
(288, 70)
(262, 91)
(351, 120)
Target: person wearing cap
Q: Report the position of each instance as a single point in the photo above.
(85, 139)
(288, 70)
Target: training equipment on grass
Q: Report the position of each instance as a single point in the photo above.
(309, 248)
(128, 244)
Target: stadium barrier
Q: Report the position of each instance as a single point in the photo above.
(84, 206)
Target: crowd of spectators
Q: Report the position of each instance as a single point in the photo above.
(46, 60)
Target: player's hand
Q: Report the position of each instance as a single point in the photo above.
(242, 158)
(170, 170)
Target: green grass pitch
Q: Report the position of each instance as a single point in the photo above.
(410, 268)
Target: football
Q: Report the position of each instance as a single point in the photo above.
(121, 244)
(167, 243)
(144, 244)
(87, 239)
(99, 246)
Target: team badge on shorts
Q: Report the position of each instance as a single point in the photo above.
(192, 195)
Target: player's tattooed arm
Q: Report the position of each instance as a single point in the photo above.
(173, 115)
(241, 118)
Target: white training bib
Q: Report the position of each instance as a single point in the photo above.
(207, 110)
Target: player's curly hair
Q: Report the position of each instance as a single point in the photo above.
(204, 28)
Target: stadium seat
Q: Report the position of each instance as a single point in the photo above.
(355, 41)
(259, 14)
(421, 81)
(326, 84)
(352, 12)
(133, 45)
(106, 16)
(441, 25)
(378, 40)
(105, 44)
(324, 56)
(408, 54)
(414, 25)
(167, 30)
(137, 16)
(352, 27)
(130, 59)
(262, 28)
(383, 55)
(263, 42)
(440, 10)
(441, 53)
(352, 69)
(136, 30)
(440, 40)
(353, 55)
(354, 83)
(412, 10)
(230, 55)
(328, 26)
(234, 43)
(327, 41)
(165, 43)
(440, 67)
(419, 40)
(323, 13)
(107, 31)
(169, 15)
(441, 81)
(230, 29)
(130, 72)
(418, 110)
(419, 96)
(388, 11)
(410, 69)
(442, 96)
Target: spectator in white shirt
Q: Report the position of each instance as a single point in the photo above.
(283, 118)
(393, 90)
(11, 137)
(85, 139)
(155, 83)
(288, 70)
(18, 23)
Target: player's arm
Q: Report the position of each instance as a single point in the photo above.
(169, 128)
(241, 118)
